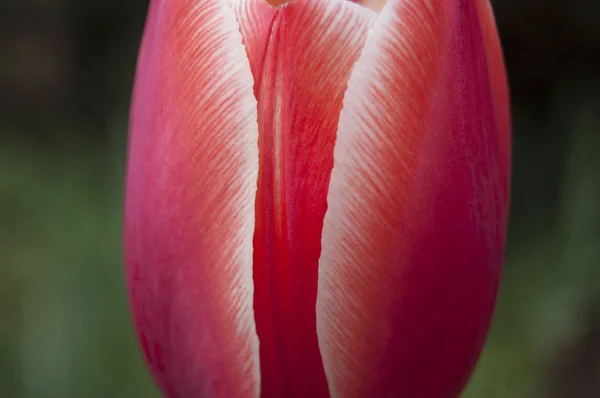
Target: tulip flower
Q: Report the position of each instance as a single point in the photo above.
(317, 196)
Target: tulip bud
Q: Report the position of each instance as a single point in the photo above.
(317, 196)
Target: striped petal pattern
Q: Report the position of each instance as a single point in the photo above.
(317, 196)
(189, 212)
(414, 234)
(301, 62)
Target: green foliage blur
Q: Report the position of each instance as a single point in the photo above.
(65, 78)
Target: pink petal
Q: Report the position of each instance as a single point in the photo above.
(413, 238)
(189, 214)
(301, 63)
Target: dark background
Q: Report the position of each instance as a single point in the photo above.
(65, 80)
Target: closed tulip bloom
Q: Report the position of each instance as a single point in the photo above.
(317, 196)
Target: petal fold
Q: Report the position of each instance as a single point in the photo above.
(414, 234)
(190, 195)
(301, 56)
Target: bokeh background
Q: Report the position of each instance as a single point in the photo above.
(66, 68)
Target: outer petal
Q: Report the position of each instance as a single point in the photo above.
(189, 213)
(414, 234)
(301, 56)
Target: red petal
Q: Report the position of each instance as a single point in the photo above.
(189, 214)
(301, 64)
(414, 235)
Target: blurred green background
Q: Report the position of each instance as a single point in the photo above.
(65, 78)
